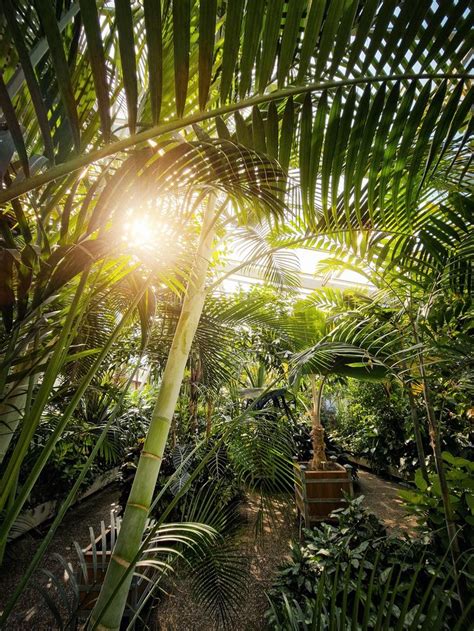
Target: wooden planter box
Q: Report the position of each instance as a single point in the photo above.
(318, 493)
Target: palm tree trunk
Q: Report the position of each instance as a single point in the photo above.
(110, 605)
(209, 411)
(317, 432)
(417, 431)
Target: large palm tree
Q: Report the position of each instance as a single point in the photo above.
(397, 324)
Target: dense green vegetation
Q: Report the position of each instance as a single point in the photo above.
(149, 151)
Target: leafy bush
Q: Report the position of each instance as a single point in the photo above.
(426, 501)
(78, 440)
(352, 574)
(377, 425)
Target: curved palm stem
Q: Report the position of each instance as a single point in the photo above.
(29, 184)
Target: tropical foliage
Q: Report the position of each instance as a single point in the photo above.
(338, 126)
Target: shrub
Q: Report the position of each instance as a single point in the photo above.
(352, 574)
(427, 504)
(377, 425)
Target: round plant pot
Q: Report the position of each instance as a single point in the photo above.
(320, 492)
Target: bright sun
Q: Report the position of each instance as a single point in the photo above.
(139, 231)
(149, 233)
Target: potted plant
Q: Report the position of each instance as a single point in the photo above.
(321, 484)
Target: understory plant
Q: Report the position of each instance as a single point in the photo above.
(354, 575)
(426, 502)
(373, 421)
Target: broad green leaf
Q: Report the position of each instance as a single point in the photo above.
(363, 28)
(424, 134)
(48, 20)
(271, 130)
(181, 44)
(328, 33)
(271, 33)
(452, 26)
(286, 135)
(123, 15)
(153, 27)
(252, 30)
(317, 139)
(379, 144)
(408, 15)
(222, 129)
(355, 141)
(393, 139)
(30, 77)
(341, 144)
(410, 128)
(420, 480)
(90, 19)
(289, 40)
(233, 29)
(305, 148)
(410, 33)
(258, 130)
(459, 116)
(207, 33)
(343, 34)
(365, 146)
(244, 136)
(311, 35)
(330, 148)
(380, 28)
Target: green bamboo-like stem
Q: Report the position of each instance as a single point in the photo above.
(109, 608)
(47, 384)
(317, 432)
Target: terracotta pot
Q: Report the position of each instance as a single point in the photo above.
(320, 492)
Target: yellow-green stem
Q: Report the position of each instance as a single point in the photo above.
(110, 605)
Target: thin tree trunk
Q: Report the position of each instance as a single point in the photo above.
(317, 432)
(418, 438)
(195, 376)
(436, 447)
(209, 410)
(109, 608)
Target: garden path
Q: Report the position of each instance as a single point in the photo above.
(381, 497)
(31, 612)
(179, 612)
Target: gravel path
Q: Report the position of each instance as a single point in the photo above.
(381, 497)
(264, 554)
(31, 612)
(179, 612)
